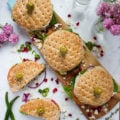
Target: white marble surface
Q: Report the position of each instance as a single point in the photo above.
(111, 60)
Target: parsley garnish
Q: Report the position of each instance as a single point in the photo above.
(116, 88)
(90, 45)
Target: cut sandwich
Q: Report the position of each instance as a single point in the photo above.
(32, 14)
(42, 108)
(94, 87)
(21, 74)
(63, 50)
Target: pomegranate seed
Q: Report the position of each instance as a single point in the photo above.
(24, 59)
(52, 79)
(99, 109)
(66, 99)
(25, 49)
(28, 43)
(69, 15)
(70, 115)
(77, 24)
(89, 114)
(95, 38)
(57, 81)
(98, 46)
(55, 90)
(45, 80)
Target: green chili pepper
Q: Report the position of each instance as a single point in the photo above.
(9, 107)
(44, 92)
(7, 104)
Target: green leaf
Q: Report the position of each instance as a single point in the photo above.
(54, 20)
(72, 81)
(38, 35)
(69, 29)
(82, 72)
(116, 89)
(110, 0)
(89, 45)
(68, 90)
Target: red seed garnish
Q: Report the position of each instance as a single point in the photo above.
(89, 114)
(99, 109)
(69, 15)
(25, 59)
(57, 81)
(52, 79)
(55, 90)
(98, 46)
(78, 23)
(45, 80)
(70, 115)
(95, 38)
(66, 99)
(25, 49)
(28, 43)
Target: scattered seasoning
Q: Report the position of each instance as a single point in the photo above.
(66, 99)
(95, 38)
(70, 115)
(69, 15)
(26, 97)
(52, 79)
(44, 92)
(57, 81)
(25, 59)
(55, 90)
(78, 23)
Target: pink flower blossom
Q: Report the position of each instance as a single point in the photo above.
(3, 37)
(115, 29)
(13, 38)
(107, 23)
(7, 29)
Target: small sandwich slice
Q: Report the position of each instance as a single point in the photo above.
(63, 50)
(42, 108)
(21, 74)
(94, 87)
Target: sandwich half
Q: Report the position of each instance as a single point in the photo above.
(42, 108)
(21, 74)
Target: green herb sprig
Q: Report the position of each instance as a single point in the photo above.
(9, 105)
(90, 45)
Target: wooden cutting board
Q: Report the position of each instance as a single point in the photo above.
(87, 110)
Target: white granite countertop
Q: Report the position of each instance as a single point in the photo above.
(86, 29)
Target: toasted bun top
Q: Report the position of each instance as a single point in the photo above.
(38, 19)
(53, 44)
(50, 109)
(96, 78)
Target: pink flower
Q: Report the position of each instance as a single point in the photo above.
(3, 37)
(7, 29)
(115, 29)
(13, 38)
(107, 23)
(103, 7)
